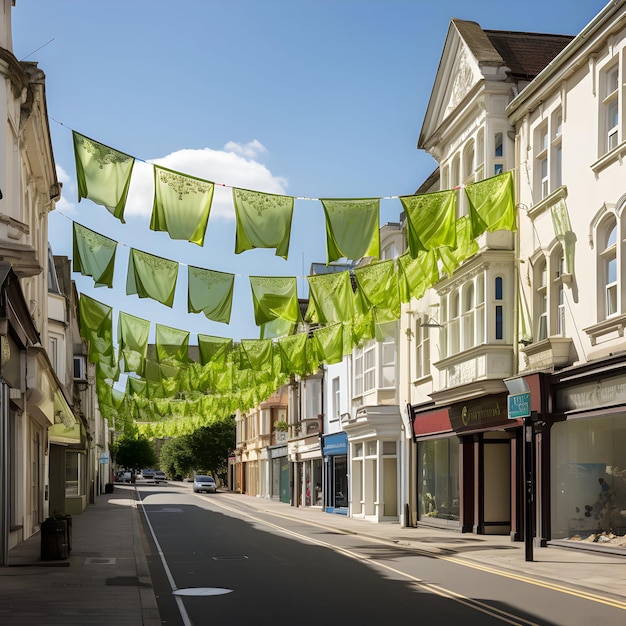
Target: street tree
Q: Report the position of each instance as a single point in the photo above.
(211, 446)
(134, 452)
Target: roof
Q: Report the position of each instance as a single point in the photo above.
(526, 54)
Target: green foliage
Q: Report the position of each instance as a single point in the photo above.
(176, 458)
(134, 452)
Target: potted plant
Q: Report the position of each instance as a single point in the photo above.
(281, 425)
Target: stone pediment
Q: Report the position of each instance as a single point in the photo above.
(467, 52)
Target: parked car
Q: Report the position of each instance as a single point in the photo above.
(147, 474)
(204, 483)
(123, 477)
(159, 477)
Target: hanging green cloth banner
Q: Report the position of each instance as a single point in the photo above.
(136, 386)
(352, 228)
(331, 298)
(276, 328)
(293, 354)
(564, 233)
(416, 275)
(263, 221)
(377, 286)
(172, 344)
(211, 293)
(258, 353)
(466, 246)
(96, 327)
(182, 204)
(94, 255)
(328, 343)
(151, 276)
(132, 339)
(430, 220)
(103, 174)
(493, 200)
(214, 349)
(106, 371)
(274, 298)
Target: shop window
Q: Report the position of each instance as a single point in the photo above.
(438, 472)
(72, 474)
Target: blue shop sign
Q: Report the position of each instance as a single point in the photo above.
(335, 444)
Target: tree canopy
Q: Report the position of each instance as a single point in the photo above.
(134, 452)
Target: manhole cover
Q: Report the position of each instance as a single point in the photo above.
(202, 591)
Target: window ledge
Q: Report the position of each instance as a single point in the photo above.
(605, 160)
(551, 352)
(560, 193)
(613, 324)
(421, 380)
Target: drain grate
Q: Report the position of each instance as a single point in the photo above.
(100, 561)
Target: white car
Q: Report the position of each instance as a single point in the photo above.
(159, 477)
(204, 483)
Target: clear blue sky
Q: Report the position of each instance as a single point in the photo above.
(315, 99)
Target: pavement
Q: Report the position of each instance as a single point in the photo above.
(105, 580)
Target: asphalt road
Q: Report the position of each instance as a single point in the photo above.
(217, 560)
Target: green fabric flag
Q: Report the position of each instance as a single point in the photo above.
(293, 353)
(210, 292)
(276, 328)
(258, 353)
(151, 276)
(96, 327)
(132, 338)
(106, 371)
(172, 344)
(331, 298)
(182, 204)
(214, 349)
(263, 221)
(94, 255)
(328, 343)
(430, 220)
(103, 174)
(494, 201)
(274, 298)
(466, 246)
(377, 286)
(352, 228)
(136, 386)
(564, 233)
(416, 275)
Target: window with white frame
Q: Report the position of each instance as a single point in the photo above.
(550, 297)
(312, 397)
(541, 299)
(335, 394)
(498, 153)
(610, 86)
(369, 366)
(422, 348)
(557, 148)
(480, 155)
(468, 317)
(499, 308)
(454, 325)
(388, 362)
(608, 265)
(357, 369)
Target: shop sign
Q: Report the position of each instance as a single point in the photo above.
(519, 405)
(591, 395)
(482, 413)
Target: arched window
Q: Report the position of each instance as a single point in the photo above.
(608, 265)
(469, 316)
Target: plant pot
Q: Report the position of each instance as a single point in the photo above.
(108, 488)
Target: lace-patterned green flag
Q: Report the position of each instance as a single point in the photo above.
(211, 293)
(416, 275)
(328, 343)
(352, 228)
(182, 204)
(103, 174)
(214, 349)
(466, 246)
(274, 297)
(94, 255)
(293, 353)
(258, 353)
(151, 276)
(263, 221)
(132, 339)
(564, 233)
(430, 220)
(377, 286)
(96, 327)
(494, 201)
(331, 298)
(172, 344)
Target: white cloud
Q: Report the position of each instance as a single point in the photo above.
(226, 168)
(249, 150)
(69, 190)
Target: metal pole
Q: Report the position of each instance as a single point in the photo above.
(4, 475)
(529, 462)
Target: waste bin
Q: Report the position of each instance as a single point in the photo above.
(54, 540)
(108, 488)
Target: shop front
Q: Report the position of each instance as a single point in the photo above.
(467, 465)
(335, 473)
(279, 473)
(587, 455)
